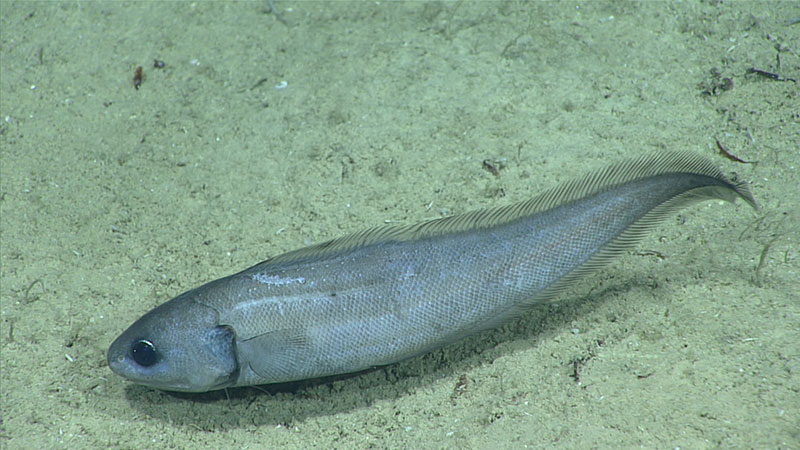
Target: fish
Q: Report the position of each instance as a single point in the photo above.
(393, 292)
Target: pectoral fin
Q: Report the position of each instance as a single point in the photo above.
(275, 354)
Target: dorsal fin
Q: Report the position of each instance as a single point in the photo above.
(594, 182)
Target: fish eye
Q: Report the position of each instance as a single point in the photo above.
(144, 353)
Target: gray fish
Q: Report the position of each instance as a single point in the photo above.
(389, 293)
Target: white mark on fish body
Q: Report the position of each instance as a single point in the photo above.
(275, 280)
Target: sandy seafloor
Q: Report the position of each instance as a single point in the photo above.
(261, 135)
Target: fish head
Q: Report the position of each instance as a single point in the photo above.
(178, 346)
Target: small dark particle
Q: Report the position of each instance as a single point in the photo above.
(651, 253)
(577, 363)
(493, 166)
(717, 84)
(158, 64)
(138, 77)
(490, 167)
(461, 387)
(729, 155)
(28, 290)
(764, 253)
(259, 83)
(770, 75)
(726, 84)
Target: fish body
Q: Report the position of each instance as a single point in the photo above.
(390, 293)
